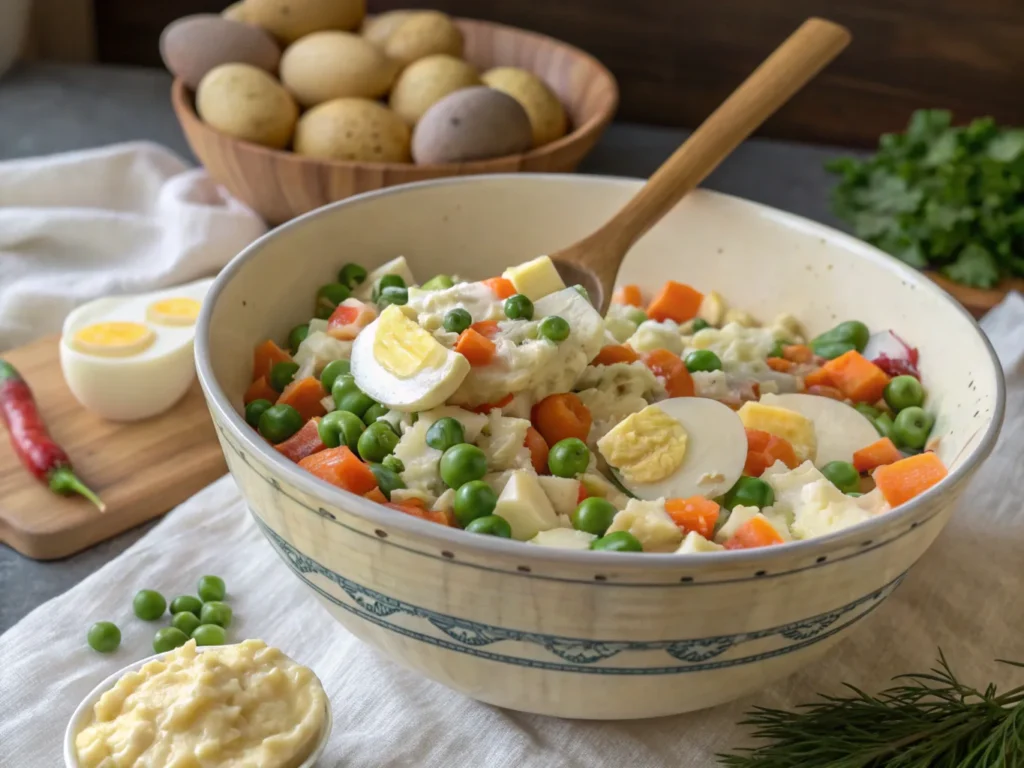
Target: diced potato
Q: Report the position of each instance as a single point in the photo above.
(536, 278)
(525, 506)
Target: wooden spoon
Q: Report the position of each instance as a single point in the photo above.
(594, 261)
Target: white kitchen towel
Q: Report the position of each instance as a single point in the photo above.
(98, 222)
(964, 595)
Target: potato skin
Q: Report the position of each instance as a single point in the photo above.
(378, 28)
(546, 113)
(330, 65)
(193, 45)
(353, 129)
(428, 80)
(424, 33)
(471, 124)
(288, 20)
(245, 102)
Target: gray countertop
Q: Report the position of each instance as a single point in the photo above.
(48, 108)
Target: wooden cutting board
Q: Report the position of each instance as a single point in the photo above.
(141, 469)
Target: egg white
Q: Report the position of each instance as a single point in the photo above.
(840, 428)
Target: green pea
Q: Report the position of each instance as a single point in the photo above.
(167, 639)
(393, 463)
(852, 332)
(854, 494)
(568, 457)
(104, 636)
(374, 412)
(185, 621)
(461, 464)
(904, 392)
(340, 428)
(593, 515)
(387, 480)
(254, 410)
(149, 605)
(355, 402)
(884, 424)
(911, 427)
(444, 433)
(776, 350)
(620, 541)
(209, 634)
(279, 422)
(377, 441)
(216, 612)
(211, 588)
(491, 525)
(296, 336)
(437, 283)
(187, 604)
(352, 275)
(842, 475)
(636, 315)
(282, 374)
(473, 500)
(457, 320)
(391, 281)
(749, 492)
(703, 360)
(332, 371)
(392, 295)
(699, 324)
(554, 328)
(329, 296)
(868, 411)
(831, 351)
(343, 383)
(582, 291)
(518, 307)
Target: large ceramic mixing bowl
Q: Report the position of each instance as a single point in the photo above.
(588, 634)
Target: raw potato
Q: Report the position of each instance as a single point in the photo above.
(333, 65)
(377, 29)
(547, 116)
(235, 12)
(471, 124)
(193, 45)
(353, 129)
(288, 20)
(425, 82)
(422, 34)
(247, 103)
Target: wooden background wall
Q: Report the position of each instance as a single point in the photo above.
(676, 59)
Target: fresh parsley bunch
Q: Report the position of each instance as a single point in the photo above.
(941, 197)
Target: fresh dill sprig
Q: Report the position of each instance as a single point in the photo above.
(928, 720)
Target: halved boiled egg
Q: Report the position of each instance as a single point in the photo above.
(177, 310)
(677, 448)
(117, 338)
(404, 367)
(840, 429)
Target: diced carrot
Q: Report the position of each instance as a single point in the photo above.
(764, 449)
(676, 301)
(797, 353)
(303, 443)
(756, 532)
(818, 378)
(878, 454)
(376, 495)
(501, 287)
(304, 396)
(629, 294)
(343, 315)
(678, 382)
(475, 347)
(694, 514)
(780, 364)
(349, 318)
(857, 377)
(561, 415)
(418, 510)
(340, 467)
(824, 390)
(260, 390)
(538, 450)
(265, 356)
(582, 494)
(615, 353)
(488, 407)
(904, 479)
(487, 328)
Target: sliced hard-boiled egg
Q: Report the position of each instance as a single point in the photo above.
(794, 427)
(116, 338)
(586, 326)
(710, 461)
(840, 429)
(646, 446)
(176, 310)
(535, 279)
(404, 367)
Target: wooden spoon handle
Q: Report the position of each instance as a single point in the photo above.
(786, 71)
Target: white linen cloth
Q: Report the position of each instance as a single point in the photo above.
(120, 219)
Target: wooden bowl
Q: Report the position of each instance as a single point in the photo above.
(280, 185)
(977, 301)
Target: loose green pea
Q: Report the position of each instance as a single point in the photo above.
(332, 371)
(842, 475)
(444, 433)
(393, 463)
(620, 541)
(554, 328)
(868, 411)
(911, 427)
(636, 315)
(457, 320)
(462, 464)
(438, 283)
(185, 621)
(387, 480)
(373, 413)
(473, 500)
(211, 588)
(355, 402)
(167, 639)
(216, 612)
(852, 332)
(749, 492)
(343, 382)
(884, 424)
(699, 324)
(279, 422)
(149, 605)
(254, 410)
(491, 525)
(296, 336)
(340, 428)
(518, 307)
(391, 281)
(209, 634)
(187, 604)
(776, 350)
(904, 392)
(831, 351)
(593, 515)
(281, 375)
(568, 457)
(703, 360)
(393, 295)
(329, 296)
(376, 442)
(352, 275)
(582, 291)
(104, 636)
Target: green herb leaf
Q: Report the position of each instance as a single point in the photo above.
(975, 267)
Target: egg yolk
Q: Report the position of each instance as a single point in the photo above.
(401, 347)
(174, 311)
(645, 447)
(113, 339)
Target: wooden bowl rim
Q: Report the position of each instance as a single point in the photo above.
(184, 108)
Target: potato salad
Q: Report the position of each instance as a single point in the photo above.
(510, 407)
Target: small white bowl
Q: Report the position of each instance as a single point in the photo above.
(85, 708)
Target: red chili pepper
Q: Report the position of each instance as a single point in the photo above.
(33, 444)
